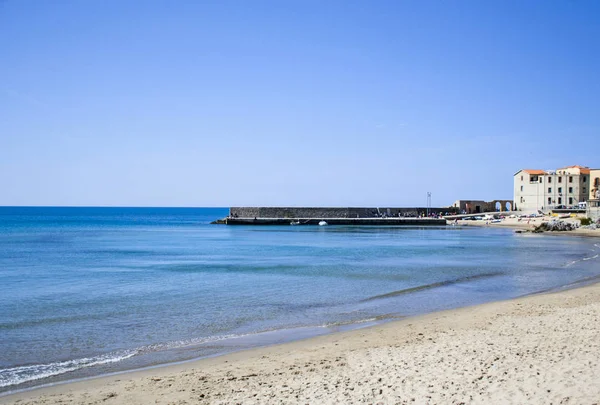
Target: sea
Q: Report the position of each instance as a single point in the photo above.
(94, 291)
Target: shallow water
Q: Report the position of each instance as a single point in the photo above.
(86, 291)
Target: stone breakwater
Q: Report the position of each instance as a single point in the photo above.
(333, 216)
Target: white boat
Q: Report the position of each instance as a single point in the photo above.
(295, 223)
(322, 223)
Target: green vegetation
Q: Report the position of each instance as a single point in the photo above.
(585, 221)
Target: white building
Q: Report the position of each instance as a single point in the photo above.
(547, 189)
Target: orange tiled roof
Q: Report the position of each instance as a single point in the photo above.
(582, 169)
(534, 171)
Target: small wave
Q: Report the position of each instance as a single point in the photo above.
(344, 323)
(582, 259)
(360, 321)
(47, 321)
(180, 344)
(432, 285)
(22, 374)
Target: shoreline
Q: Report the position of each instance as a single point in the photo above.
(311, 367)
(267, 343)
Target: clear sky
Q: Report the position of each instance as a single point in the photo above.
(299, 102)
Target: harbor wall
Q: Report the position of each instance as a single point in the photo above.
(593, 209)
(389, 221)
(333, 212)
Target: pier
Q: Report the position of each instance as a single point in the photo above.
(335, 221)
(336, 216)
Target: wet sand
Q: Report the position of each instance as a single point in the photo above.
(537, 349)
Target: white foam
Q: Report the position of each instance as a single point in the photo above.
(190, 342)
(20, 375)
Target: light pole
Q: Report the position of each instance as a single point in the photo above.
(428, 202)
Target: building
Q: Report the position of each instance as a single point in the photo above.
(547, 189)
(593, 205)
(595, 184)
(478, 206)
(593, 209)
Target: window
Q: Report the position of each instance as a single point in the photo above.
(597, 182)
(560, 179)
(570, 190)
(559, 190)
(521, 188)
(570, 179)
(584, 190)
(521, 178)
(533, 179)
(570, 200)
(549, 190)
(549, 179)
(559, 200)
(549, 200)
(585, 179)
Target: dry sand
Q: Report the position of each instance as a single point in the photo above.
(537, 349)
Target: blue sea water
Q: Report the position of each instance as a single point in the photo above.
(89, 291)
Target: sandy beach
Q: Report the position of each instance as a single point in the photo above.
(537, 349)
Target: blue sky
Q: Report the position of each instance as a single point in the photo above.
(334, 103)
